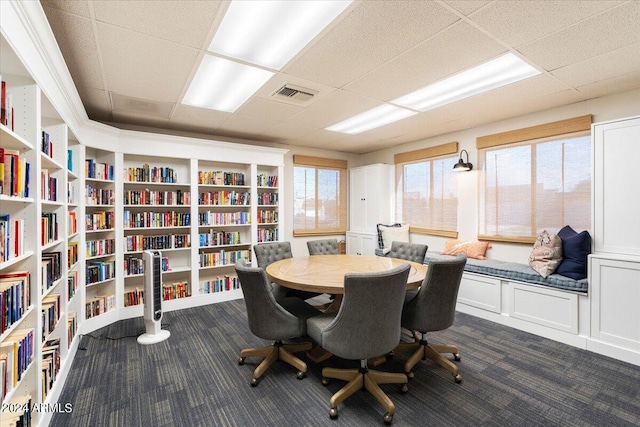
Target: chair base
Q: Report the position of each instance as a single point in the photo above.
(273, 352)
(363, 379)
(424, 350)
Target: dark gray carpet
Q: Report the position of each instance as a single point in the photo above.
(510, 378)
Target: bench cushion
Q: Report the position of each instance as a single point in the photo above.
(517, 272)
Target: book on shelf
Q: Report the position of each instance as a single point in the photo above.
(70, 160)
(46, 144)
(50, 365)
(6, 106)
(16, 174)
(15, 297)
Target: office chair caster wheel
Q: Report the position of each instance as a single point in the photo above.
(333, 413)
(458, 378)
(254, 382)
(390, 354)
(410, 375)
(241, 361)
(404, 388)
(388, 418)
(300, 375)
(456, 357)
(325, 381)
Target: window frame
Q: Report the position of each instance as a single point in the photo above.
(429, 154)
(526, 137)
(320, 163)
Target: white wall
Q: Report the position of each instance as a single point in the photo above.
(606, 108)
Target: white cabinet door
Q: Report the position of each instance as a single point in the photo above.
(361, 243)
(615, 298)
(370, 197)
(616, 186)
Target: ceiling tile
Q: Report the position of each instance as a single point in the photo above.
(142, 66)
(77, 43)
(199, 117)
(77, 7)
(291, 130)
(455, 49)
(613, 85)
(140, 120)
(183, 22)
(518, 22)
(334, 108)
(608, 31)
(466, 7)
(603, 67)
(96, 103)
(266, 109)
(246, 125)
(371, 34)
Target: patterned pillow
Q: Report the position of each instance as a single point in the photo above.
(546, 254)
(399, 233)
(475, 250)
(380, 240)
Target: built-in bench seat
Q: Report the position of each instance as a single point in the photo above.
(516, 272)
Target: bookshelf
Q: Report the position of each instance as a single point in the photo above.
(224, 224)
(70, 211)
(156, 214)
(100, 232)
(268, 204)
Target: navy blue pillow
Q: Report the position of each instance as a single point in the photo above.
(575, 248)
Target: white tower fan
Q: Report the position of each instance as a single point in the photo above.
(153, 299)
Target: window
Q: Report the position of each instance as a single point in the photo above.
(319, 196)
(427, 190)
(543, 183)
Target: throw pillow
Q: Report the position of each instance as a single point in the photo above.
(575, 249)
(380, 241)
(389, 234)
(476, 250)
(546, 254)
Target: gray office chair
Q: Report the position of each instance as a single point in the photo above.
(366, 325)
(410, 251)
(272, 320)
(269, 252)
(323, 247)
(433, 309)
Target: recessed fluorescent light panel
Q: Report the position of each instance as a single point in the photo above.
(499, 72)
(376, 117)
(270, 33)
(224, 85)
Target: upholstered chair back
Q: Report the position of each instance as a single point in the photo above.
(267, 319)
(434, 307)
(410, 251)
(269, 252)
(323, 247)
(368, 321)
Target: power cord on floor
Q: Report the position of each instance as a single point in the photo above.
(84, 347)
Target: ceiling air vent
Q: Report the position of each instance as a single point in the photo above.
(294, 94)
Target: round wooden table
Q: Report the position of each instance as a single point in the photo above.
(325, 273)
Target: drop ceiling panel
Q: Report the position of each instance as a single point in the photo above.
(77, 7)
(457, 48)
(267, 109)
(611, 30)
(198, 117)
(183, 22)
(336, 107)
(293, 131)
(614, 85)
(96, 103)
(142, 66)
(373, 33)
(140, 120)
(466, 7)
(603, 67)
(520, 22)
(78, 45)
(246, 125)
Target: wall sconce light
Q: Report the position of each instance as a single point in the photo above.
(461, 165)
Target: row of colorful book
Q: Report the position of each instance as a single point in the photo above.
(15, 297)
(11, 237)
(15, 173)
